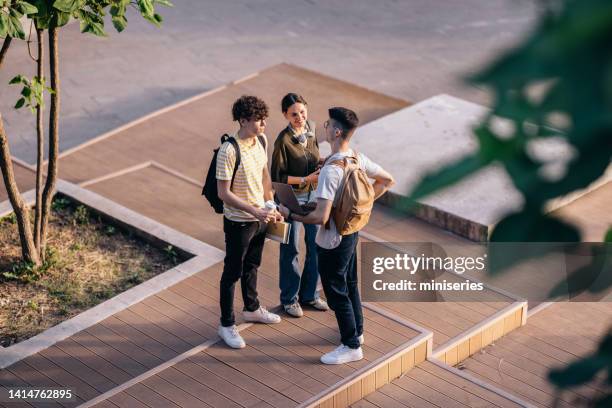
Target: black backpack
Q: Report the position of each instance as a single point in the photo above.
(210, 185)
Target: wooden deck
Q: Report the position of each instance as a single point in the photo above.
(177, 203)
(591, 213)
(279, 367)
(164, 351)
(553, 337)
(430, 386)
(185, 316)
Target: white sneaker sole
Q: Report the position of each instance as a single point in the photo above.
(238, 346)
(343, 361)
(246, 319)
(297, 315)
(234, 346)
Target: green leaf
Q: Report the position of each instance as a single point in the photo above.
(577, 373)
(608, 237)
(164, 3)
(15, 29)
(10, 276)
(447, 176)
(26, 8)
(43, 16)
(494, 148)
(146, 8)
(20, 103)
(592, 278)
(120, 23)
(18, 80)
(96, 29)
(67, 6)
(4, 24)
(62, 19)
(26, 92)
(603, 402)
(530, 226)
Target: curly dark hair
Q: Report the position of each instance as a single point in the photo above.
(249, 107)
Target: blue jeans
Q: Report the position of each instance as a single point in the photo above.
(339, 279)
(293, 284)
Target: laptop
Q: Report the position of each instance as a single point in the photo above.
(286, 196)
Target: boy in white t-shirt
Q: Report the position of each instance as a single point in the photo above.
(337, 254)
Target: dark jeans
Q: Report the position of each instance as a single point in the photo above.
(293, 284)
(244, 242)
(338, 270)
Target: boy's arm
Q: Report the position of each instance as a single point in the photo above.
(320, 215)
(267, 185)
(383, 181)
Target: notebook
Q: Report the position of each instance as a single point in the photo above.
(278, 231)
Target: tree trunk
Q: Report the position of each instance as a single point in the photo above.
(49, 190)
(22, 212)
(40, 134)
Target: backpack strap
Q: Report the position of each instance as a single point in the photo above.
(232, 140)
(263, 142)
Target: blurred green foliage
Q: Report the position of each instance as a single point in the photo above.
(556, 85)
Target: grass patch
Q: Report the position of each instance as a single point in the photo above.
(87, 262)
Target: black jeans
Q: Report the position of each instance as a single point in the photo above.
(338, 271)
(244, 242)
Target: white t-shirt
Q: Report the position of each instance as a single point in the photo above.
(329, 182)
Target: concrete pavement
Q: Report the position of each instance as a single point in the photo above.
(411, 49)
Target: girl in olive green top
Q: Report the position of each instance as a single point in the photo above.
(295, 161)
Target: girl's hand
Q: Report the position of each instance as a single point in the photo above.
(313, 177)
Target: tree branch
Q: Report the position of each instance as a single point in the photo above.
(40, 139)
(5, 46)
(49, 190)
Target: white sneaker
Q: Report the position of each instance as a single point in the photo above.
(319, 304)
(341, 355)
(361, 340)
(231, 337)
(261, 315)
(294, 309)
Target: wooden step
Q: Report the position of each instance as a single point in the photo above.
(433, 385)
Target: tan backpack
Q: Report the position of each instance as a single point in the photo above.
(355, 197)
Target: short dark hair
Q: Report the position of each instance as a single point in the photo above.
(346, 118)
(290, 99)
(249, 107)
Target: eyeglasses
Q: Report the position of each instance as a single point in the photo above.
(327, 124)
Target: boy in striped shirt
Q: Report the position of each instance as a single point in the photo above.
(244, 216)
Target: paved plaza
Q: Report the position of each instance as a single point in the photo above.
(411, 49)
(399, 64)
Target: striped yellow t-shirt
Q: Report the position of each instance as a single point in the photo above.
(248, 183)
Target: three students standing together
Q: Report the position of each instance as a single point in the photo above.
(246, 191)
